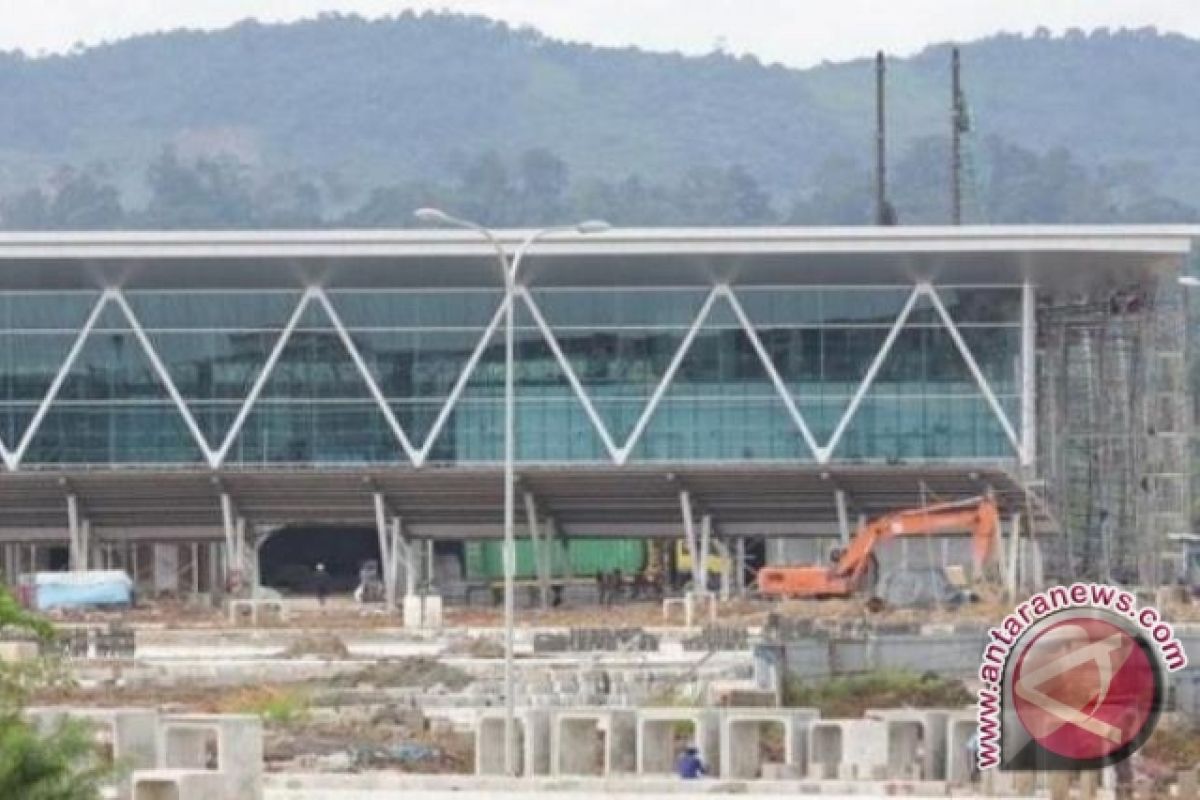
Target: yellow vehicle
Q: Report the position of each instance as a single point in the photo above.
(683, 560)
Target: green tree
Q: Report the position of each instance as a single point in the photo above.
(27, 210)
(83, 201)
(541, 190)
(204, 193)
(58, 763)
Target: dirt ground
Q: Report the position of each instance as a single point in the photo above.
(342, 614)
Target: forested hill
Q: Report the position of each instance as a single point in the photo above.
(340, 120)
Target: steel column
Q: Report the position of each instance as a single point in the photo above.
(1014, 556)
(1028, 375)
(77, 560)
(843, 515)
(387, 569)
(541, 551)
(689, 532)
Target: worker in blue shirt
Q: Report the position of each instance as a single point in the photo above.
(691, 766)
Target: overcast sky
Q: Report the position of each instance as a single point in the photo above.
(798, 32)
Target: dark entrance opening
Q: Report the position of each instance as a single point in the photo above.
(58, 559)
(289, 558)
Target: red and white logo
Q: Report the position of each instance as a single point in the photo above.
(1084, 688)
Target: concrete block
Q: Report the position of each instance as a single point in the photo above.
(413, 611)
(257, 610)
(748, 734)
(12, 652)
(532, 742)
(432, 611)
(782, 772)
(599, 742)
(176, 784)
(1187, 784)
(128, 736)
(664, 732)
(916, 742)
(960, 727)
(848, 749)
(230, 744)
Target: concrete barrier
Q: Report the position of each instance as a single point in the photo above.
(532, 742)
(177, 784)
(16, 651)
(848, 749)
(257, 611)
(596, 742)
(916, 742)
(126, 736)
(422, 611)
(663, 732)
(742, 739)
(228, 744)
(960, 727)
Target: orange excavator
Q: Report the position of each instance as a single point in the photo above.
(978, 515)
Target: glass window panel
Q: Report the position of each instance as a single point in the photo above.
(48, 310)
(326, 432)
(110, 433)
(605, 308)
(213, 310)
(780, 307)
(971, 305)
(867, 306)
(461, 309)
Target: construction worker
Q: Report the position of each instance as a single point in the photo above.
(321, 581)
(690, 766)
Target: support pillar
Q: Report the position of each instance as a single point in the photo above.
(705, 550)
(429, 567)
(214, 568)
(195, 568)
(77, 531)
(839, 498)
(252, 547)
(1028, 377)
(1012, 577)
(541, 552)
(689, 531)
(726, 569)
(387, 567)
(403, 551)
(739, 569)
(234, 530)
(85, 545)
(246, 564)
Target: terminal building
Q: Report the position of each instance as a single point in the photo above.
(200, 407)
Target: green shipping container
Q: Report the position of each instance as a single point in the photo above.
(485, 560)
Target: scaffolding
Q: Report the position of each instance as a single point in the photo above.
(1115, 431)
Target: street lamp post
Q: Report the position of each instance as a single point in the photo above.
(509, 269)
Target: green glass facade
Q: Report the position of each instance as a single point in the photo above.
(315, 407)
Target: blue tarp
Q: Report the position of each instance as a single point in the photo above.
(78, 590)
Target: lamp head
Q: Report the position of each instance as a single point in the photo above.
(593, 226)
(1190, 281)
(432, 215)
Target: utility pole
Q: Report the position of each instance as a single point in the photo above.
(959, 124)
(884, 214)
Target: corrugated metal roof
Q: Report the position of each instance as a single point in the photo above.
(467, 502)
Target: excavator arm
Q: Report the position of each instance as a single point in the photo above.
(977, 515)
